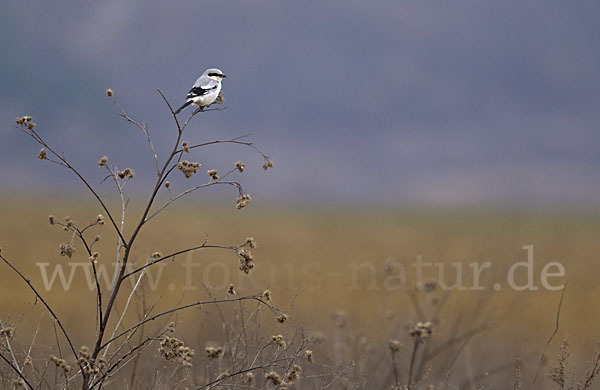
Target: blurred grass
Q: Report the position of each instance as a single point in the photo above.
(328, 242)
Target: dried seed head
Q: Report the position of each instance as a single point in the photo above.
(31, 125)
(213, 173)
(186, 146)
(51, 219)
(267, 295)
(395, 345)
(7, 332)
(156, 255)
(249, 378)
(103, 161)
(231, 289)
(274, 378)
(246, 260)
(293, 374)
(240, 166)
(109, 92)
(167, 184)
(127, 173)
(268, 164)
(243, 201)
(28, 361)
(282, 318)
(173, 349)
(188, 168)
(250, 242)
(171, 327)
(421, 331)
(100, 219)
(214, 352)
(279, 340)
(43, 154)
(67, 250)
(18, 382)
(97, 238)
(308, 355)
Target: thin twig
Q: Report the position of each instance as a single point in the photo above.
(543, 355)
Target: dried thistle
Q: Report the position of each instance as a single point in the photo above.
(127, 173)
(214, 352)
(60, 363)
(7, 332)
(246, 260)
(395, 345)
(250, 242)
(173, 349)
(213, 173)
(188, 168)
(293, 373)
(243, 200)
(282, 318)
(67, 250)
(240, 166)
(308, 355)
(102, 162)
(267, 295)
(279, 340)
(274, 378)
(231, 289)
(421, 331)
(268, 164)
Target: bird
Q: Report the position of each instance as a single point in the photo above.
(205, 90)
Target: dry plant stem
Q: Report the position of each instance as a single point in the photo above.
(543, 355)
(79, 234)
(137, 284)
(143, 127)
(172, 255)
(63, 162)
(412, 363)
(189, 305)
(216, 382)
(12, 354)
(395, 369)
(37, 294)
(128, 244)
(186, 192)
(15, 369)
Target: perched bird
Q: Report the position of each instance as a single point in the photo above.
(205, 90)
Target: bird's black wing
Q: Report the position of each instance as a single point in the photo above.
(199, 91)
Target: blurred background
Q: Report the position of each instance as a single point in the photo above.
(460, 131)
(438, 103)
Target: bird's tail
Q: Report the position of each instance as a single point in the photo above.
(182, 107)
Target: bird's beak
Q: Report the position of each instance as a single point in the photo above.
(223, 76)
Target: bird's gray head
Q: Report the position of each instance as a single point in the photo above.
(214, 73)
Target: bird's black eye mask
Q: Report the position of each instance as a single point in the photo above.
(216, 75)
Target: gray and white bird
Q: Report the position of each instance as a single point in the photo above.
(205, 90)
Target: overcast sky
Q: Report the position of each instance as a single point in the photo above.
(356, 102)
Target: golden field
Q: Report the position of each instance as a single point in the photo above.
(322, 265)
